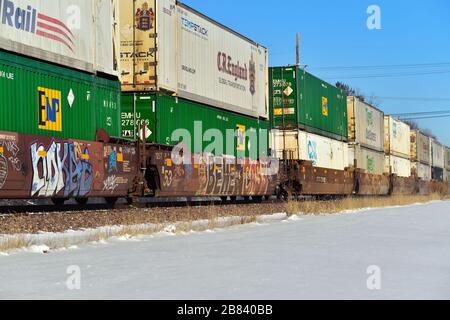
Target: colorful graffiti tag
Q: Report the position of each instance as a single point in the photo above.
(62, 167)
(213, 176)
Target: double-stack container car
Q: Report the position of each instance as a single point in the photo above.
(187, 78)
(366, 147)
(397, 145)
(421, 160)
(438, 162)
(60, 102)
(309, 122)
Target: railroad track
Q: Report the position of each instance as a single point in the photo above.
(34, 208)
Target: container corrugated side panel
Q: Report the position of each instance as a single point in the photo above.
(174, 114)
(323, 152)
(207, 62)
(283, 98)
(75, 46)
(137, 74)
(398, 166)
(447, 158)
(166, 43)
(420, 147)
(104, 37)
(437, 150)
(370, 161)
(397, 138)
(107, 106)
(21, 105)
(322, 108)
(422, 171)
(367, 124)
(285, 144)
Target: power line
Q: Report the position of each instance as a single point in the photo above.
(416, 65)
(424, 118)
(387, 75)
(412, 98)
(422, 113)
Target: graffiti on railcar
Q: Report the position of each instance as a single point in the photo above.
(13, 150)
(110, 184)
(211, 175)
(10, 161)
(61, 167)
(3, 171)
(117, 162)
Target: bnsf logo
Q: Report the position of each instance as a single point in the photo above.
(50, 109)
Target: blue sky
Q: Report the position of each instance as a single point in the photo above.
(335, 34)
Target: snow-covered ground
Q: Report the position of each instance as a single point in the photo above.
(300, 258)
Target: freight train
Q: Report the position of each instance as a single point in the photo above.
(154, 99)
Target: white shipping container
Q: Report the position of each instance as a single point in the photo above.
(365, 159)
(397, 138)
(105, 37)
(423, 171)
(398, 166)
(169, 46)
(321, 151)
(73, 33)
(420, 147)
(365, 124)
(437, 151)
(447, 158)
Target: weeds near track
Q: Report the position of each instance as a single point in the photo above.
(350, 203)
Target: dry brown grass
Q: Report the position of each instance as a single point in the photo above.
(130, 230)
(350, 203)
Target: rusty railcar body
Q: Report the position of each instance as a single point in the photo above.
(371, 184)
(302, 178)
(207, 176)
(33, 167)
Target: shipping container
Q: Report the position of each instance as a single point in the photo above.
(365, 124)
(74, 33)
(437, 174)
(323, 152)
(170, 119)
(168, 46)
(398, 166)
(299, 100)
(447, 158)
(367, 160)
(420, 147)
(397, 138)
(437, 153)
(422, 171)
(38, 98)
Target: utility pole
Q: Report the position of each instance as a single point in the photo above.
(298, 50)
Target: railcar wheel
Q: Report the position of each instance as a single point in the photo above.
(111, 201)
(82, 201)
(59, 201)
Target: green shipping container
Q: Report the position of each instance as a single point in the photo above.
(170, 120)
(299, 100)
(39, 98)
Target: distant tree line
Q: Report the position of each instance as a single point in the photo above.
(373, 101)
